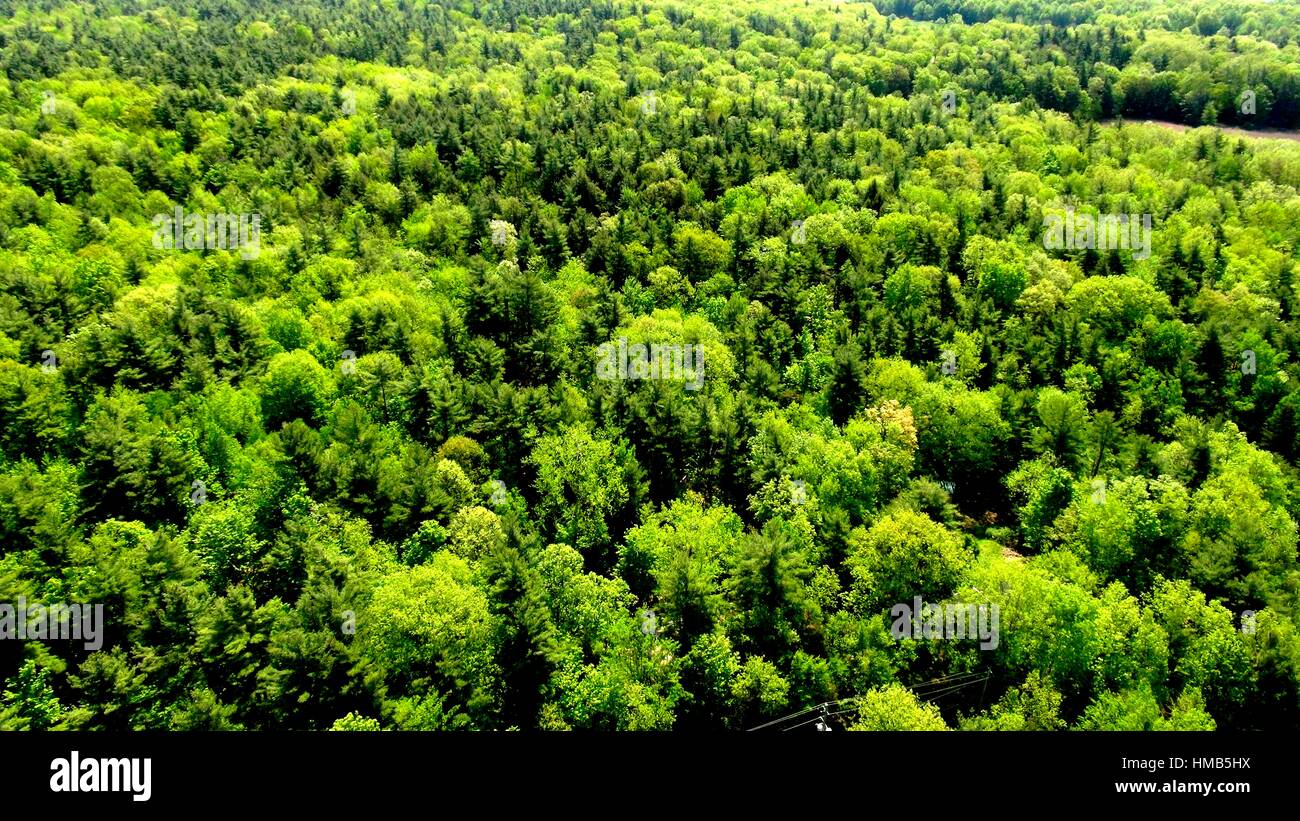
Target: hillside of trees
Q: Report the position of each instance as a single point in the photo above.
(367, 477)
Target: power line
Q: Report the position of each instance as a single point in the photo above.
(953, 689)
(818, 718)
(803, 712)
(945, 684)
(945, 680)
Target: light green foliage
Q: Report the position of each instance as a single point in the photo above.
(895, 708)
(1134, 710)
(580, 485)
(678, 557)
(904, 555)
(355, 723)
(429, 627)
(296, 387)
(369, 468)
(1129, 529)
(759, 689)
(1035, 705)
(32, 703)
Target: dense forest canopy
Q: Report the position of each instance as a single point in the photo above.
(359, 461)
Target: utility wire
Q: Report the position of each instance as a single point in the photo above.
(944, 681)
(952, 689)
(963, 679)
(818, 718)
(803, 712)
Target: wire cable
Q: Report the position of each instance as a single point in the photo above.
(923, 691)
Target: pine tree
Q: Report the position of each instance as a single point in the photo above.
(526, 645)
(846, 389)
